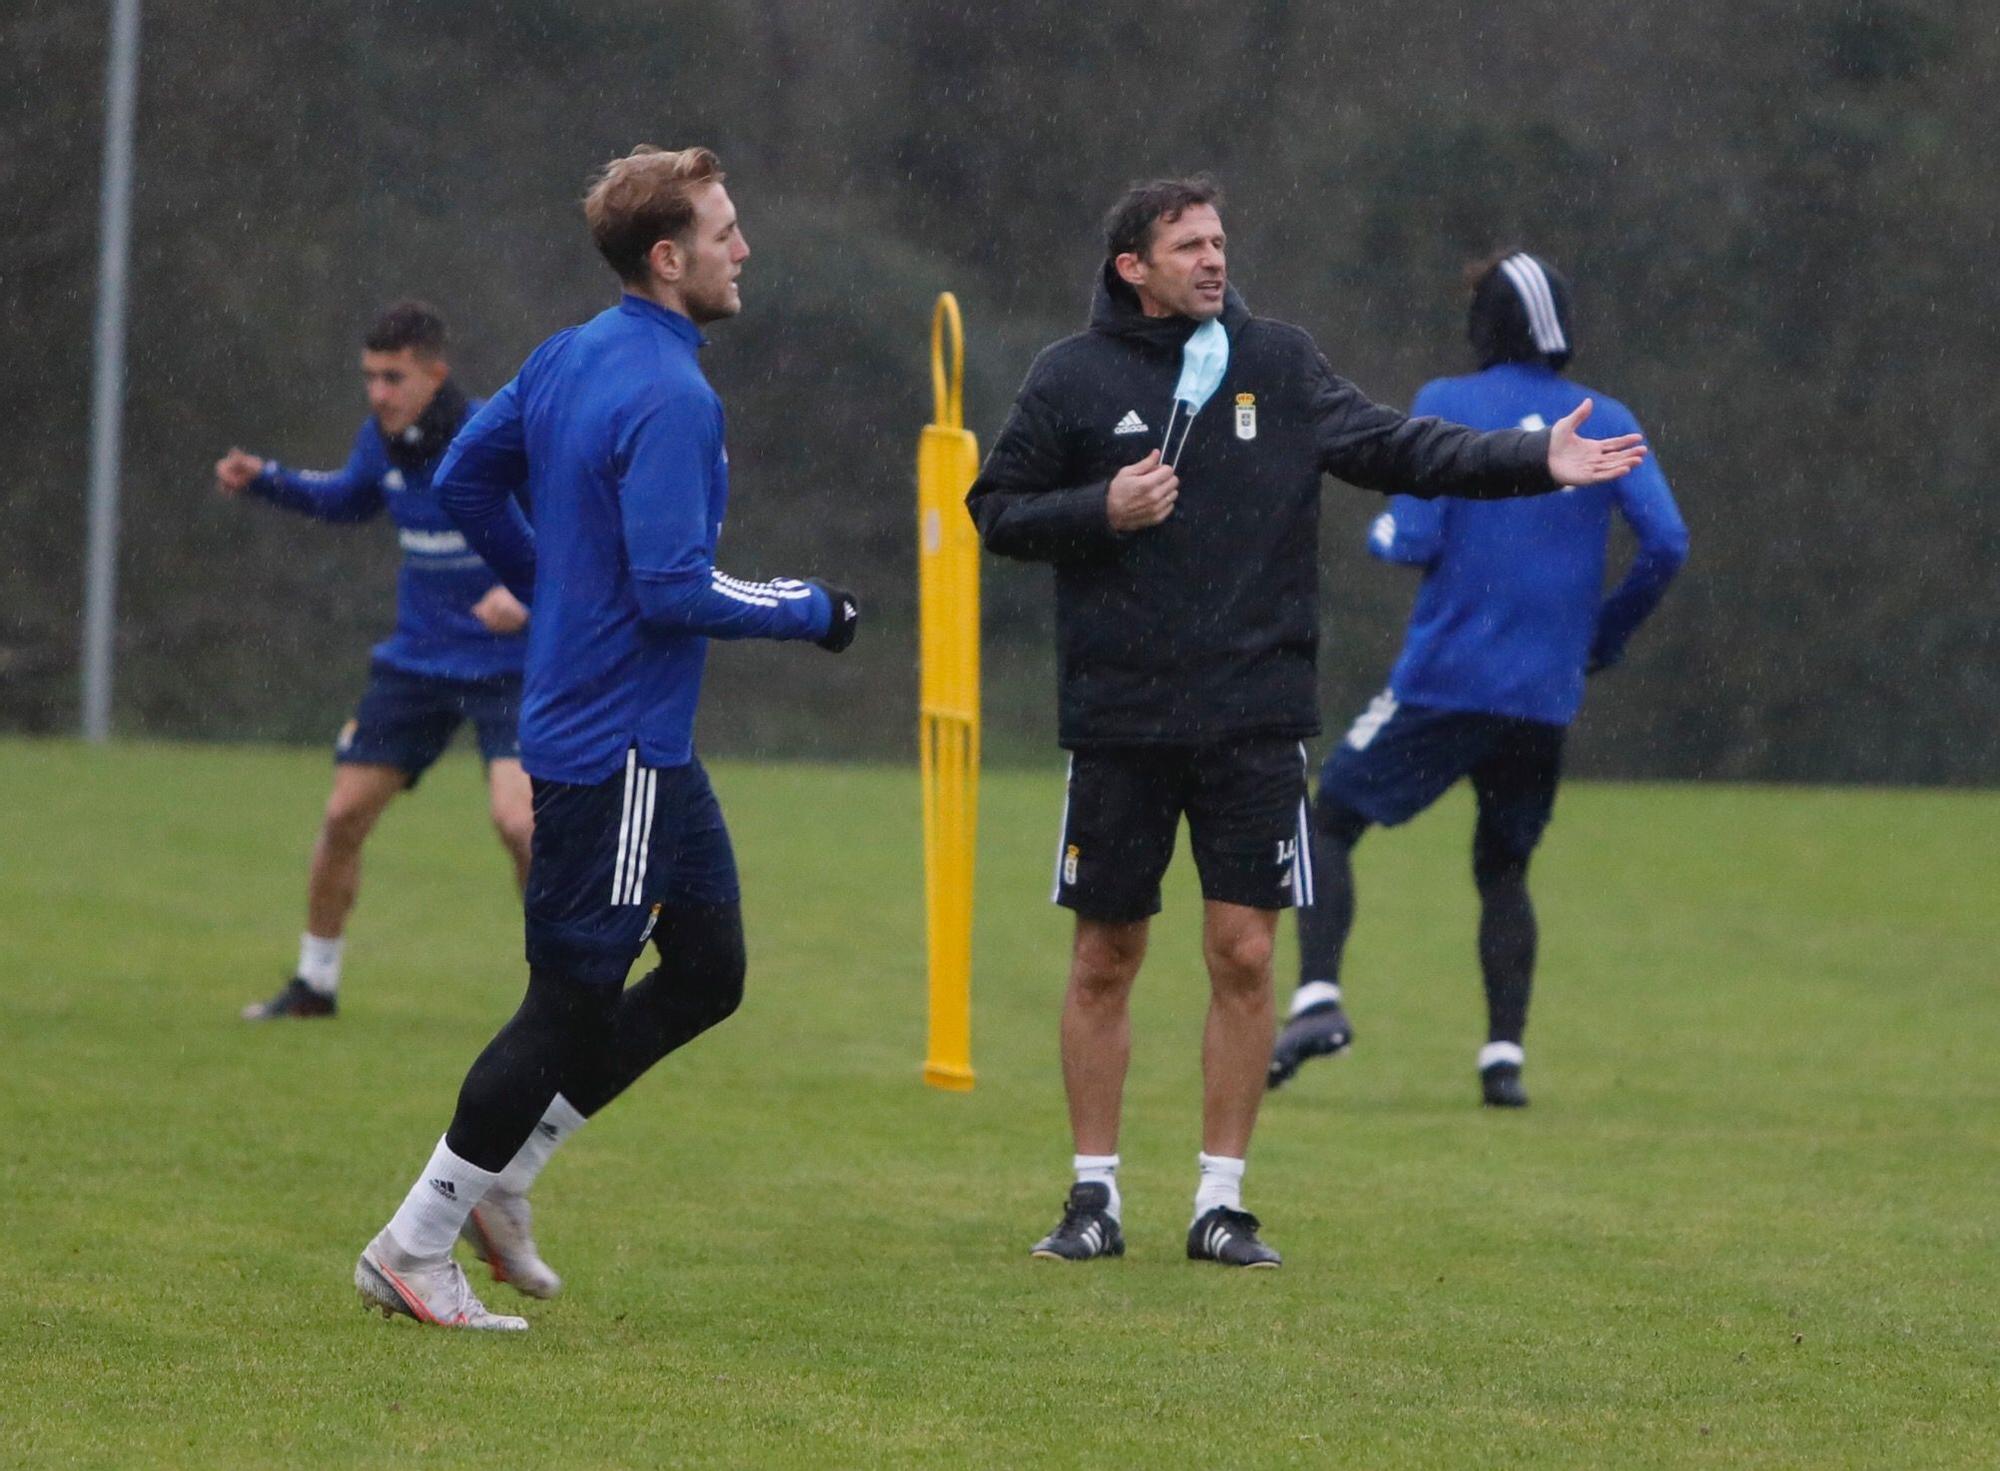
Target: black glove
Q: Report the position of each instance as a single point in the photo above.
(846, 618)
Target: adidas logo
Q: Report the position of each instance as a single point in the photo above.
(1131, 424)
(445, 1188)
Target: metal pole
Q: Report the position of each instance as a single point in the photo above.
(107, 400)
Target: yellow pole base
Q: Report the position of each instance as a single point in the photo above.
(951, 1079)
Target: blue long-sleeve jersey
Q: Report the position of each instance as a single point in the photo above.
(441, 578)
(619, 440)
(1511, 611)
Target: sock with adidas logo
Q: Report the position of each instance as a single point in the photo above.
(427, 1222)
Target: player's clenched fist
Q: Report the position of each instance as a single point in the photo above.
(235, 470)
(1142, 495)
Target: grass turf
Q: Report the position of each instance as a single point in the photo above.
(1746, 1222)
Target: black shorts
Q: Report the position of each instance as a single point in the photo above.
(406, 720)
(1398, 759)
(1245, 803)
(607, 857)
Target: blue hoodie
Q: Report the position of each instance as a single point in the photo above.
(1512, 611)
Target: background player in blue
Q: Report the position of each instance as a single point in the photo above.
(618, 439)
(456, 651)
(1509, 619)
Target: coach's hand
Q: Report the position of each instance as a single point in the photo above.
(1142, 495)
(234, 472)
(1574, 460)
(846, 618)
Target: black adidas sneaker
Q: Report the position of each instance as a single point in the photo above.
(1087, 1228)
(1318, 1031)
(297, 999)
(1500, 1086)
(1229, 1237)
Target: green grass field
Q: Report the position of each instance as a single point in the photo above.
(1748, 1221)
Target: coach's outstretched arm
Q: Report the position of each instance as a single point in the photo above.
(1020, 502)
(670, 451)
(351, 493)
(480, 482)
(1373, 446)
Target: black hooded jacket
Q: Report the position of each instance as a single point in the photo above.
(1205, 627)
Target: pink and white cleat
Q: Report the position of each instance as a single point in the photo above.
(500, 1231)
(391, 1281)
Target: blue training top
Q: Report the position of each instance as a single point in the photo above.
(436, 635)
(1512, 611)
(618, 439)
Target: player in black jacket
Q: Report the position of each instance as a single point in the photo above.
(1168, 462)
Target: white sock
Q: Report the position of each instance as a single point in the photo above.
(1101, 1169)
(319, 963)
(1494, 1053)
(1314, 993)
(1221, 1184)
(557, 1124)
(427, 1222)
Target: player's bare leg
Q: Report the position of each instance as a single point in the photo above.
(1237, 942)
(511, 797)
(361, 792)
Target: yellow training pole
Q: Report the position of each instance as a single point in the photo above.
(948, 700)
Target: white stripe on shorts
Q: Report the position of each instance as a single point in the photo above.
(638, 886)
(624, 823)
(1062, 831)
(1302, 874)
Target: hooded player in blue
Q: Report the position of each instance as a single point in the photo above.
(1509, 619)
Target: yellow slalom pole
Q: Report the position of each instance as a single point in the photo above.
(948, 699)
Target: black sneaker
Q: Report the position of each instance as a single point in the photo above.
(1500, 1086)
(297, 999)
(1318, 1031)
(1230, 1237)
(1086, 1230)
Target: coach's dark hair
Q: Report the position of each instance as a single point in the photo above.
(413, 324)
(1130, 223)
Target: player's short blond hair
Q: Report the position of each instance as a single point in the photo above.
(645, 197)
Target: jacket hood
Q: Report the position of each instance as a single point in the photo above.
(1114, 311)
(1520, 314)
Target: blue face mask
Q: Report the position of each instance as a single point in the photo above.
(1203, 362)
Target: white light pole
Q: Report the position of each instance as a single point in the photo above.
(107, 399)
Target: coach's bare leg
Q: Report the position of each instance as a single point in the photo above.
(513, 802)
(1097, 1028)
(360, 792)
(1237, 942)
